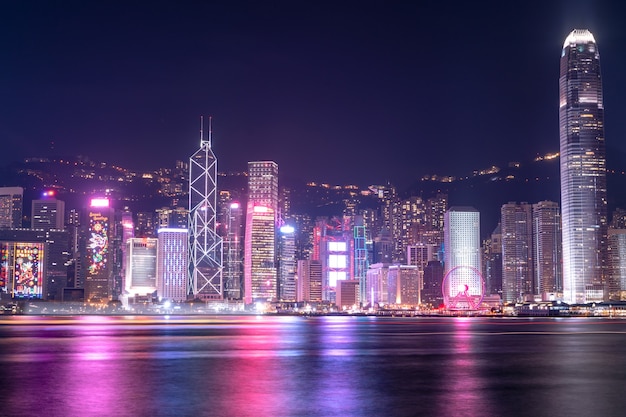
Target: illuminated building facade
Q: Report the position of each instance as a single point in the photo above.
(309, 282)
(11, 204)
(583, 168)
(260, 274)
(233, 233)
(348, 294)
(517, 252)
(259, 260)
(99, 266)
(172, 264)
(47, 213)
(547, 249)
(361, 261)
(22, 269)
(141, 266)
(463, 286)
(287, 264)
(205, 279)
(404, 285)
(378, 284)
(33, 263)
(172, 217)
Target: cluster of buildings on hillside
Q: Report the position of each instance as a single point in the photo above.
(252, 252)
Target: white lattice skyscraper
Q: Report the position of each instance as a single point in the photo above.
(205, 245)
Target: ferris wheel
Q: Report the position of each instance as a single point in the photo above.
(463, 288)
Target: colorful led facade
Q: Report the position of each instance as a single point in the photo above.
(205, 280)
(583, 167)
(99, 277)
(22, 267)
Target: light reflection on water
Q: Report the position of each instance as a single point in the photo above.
(319, 366)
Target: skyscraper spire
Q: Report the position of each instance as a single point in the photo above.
(201, 130)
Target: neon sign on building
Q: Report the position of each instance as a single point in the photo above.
(98, 242)
(27, 270)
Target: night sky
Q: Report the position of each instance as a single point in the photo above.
(343, 92)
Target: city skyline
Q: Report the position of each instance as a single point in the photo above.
(352, 93)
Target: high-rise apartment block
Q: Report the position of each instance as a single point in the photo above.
(583, 168)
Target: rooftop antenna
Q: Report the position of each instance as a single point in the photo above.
(210, 129)
(201, 130)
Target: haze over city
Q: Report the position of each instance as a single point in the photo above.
(348, 92)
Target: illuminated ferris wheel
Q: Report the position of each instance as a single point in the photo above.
(463, 288)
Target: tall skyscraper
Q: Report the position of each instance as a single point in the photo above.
(517, 252)
(205, 245)
(583, 167)
(463, 287)
(262, 218)
(547, 249)
(260, 274)
(99, 279)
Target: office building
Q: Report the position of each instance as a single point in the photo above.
(47, 213)
(141, 267)
(99, 277)
(287, 264)
(205, 245)
(172, 267)
(11, 206)
(547, 250)
(404, 285)
(260, 274)
(583, 168)
(517, 252)
(309, 281)
(463, 286)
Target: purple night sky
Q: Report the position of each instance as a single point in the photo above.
(342, 92)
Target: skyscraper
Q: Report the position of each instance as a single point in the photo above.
(463, 287)
(172, 260)
(260, 274)
(99, 278)
(205, 245)
(517, 252)
(547, 249)
(583, 166)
